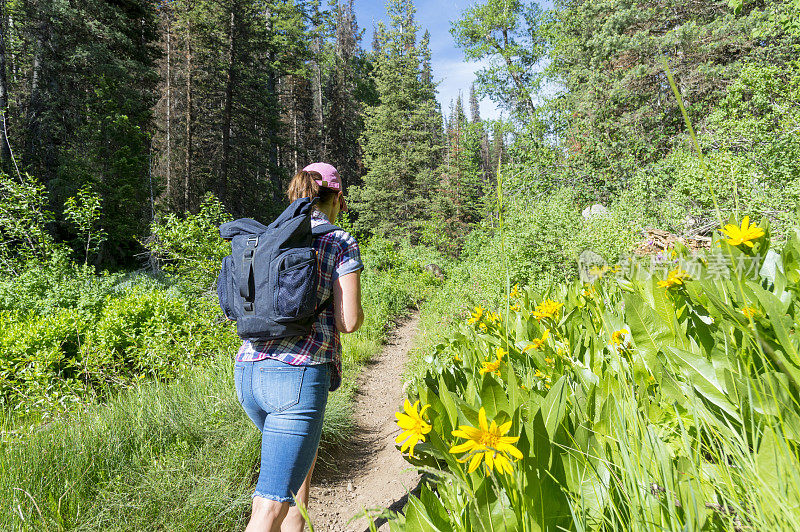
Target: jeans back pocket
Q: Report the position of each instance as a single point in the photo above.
(279, 387)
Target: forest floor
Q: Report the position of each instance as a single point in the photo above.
(370, 473)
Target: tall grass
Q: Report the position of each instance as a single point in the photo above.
(177, 455)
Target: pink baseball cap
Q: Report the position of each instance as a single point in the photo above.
(330, 177)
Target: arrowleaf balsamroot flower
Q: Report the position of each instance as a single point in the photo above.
(414, 427)
(487, 444)
(742, 235)
(674, 278)
(618, 337)
(537, 343)
(494, 365)
(476, 315)
(547, 309)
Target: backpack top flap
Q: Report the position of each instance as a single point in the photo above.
(242, 226)
(300, 208)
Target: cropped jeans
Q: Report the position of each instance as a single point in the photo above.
(287, 404)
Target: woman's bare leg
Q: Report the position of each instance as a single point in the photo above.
(267, 515)
(294, 521)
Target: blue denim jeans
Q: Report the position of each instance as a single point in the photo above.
(287, 404)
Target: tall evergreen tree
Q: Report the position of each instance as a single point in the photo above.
(400, 139)
(480, 130)
(83, 80)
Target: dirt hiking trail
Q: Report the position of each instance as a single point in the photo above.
(370, 473)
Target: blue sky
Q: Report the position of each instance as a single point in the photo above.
(449, 67)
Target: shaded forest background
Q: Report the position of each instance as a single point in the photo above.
(146, 106)
(152, 105)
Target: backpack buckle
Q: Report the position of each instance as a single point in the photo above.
(252, 241)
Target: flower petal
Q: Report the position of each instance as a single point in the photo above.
(476, 461)
(513, 451)
(402, 436)
(464, 447)
(482, 420)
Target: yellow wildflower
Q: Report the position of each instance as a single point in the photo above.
(547, 309)
(487, 444)
(476, 315)
(674, 278)
(537, 343)
(549, 361)
(598, 271)
(538, 374)
(750, 312)
(491, 367)
(494, 365)
(618, 337)
(514, 308)
(414, 427)
(514, 292)
(742, 235)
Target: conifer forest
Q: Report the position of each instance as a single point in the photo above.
(604, 266)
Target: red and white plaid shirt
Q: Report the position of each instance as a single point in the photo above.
(337, 255)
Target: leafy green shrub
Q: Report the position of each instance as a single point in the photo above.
(83, 211)
(56, 355)
(191, 247)
(43, 287)
(23, 223)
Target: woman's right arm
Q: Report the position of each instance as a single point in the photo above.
(347, 308)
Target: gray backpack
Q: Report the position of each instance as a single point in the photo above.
(268, 284)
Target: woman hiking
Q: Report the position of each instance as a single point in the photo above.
(283, 384)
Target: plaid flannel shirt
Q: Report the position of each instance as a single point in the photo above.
(337, 255)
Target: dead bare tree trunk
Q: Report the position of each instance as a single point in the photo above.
(227, 116)
(187, 178)
(169, 109)
(5, 147)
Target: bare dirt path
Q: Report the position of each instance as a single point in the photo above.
(371, 473)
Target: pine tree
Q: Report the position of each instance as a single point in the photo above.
(477, 124)
(343, 122)
(83, 79)
(399, 142)
(462, 174)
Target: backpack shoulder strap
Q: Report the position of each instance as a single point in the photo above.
(324, 229)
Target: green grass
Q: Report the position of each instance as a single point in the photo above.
(177, 455)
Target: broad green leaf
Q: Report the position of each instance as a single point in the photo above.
(417, 518)
(447, 401)
(555, 406)
(436, 510)
(649, 333)
(491, 513)
(780, 322)
(493, 397)
(703, 377)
